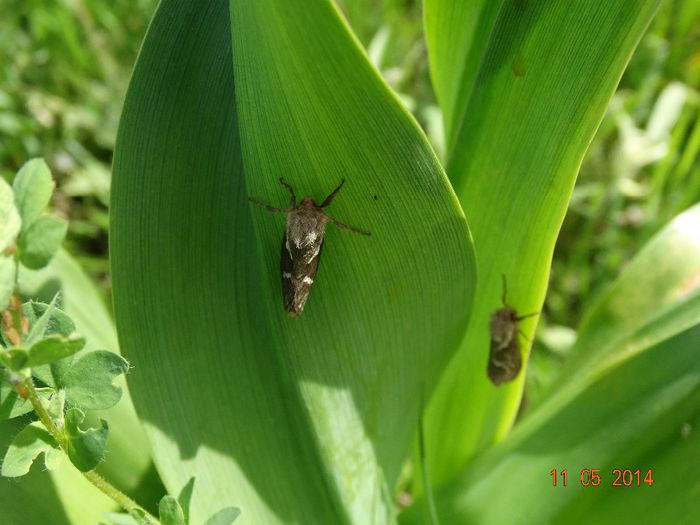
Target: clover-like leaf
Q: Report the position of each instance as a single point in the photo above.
(85, 448)
(11, 405)
(46, 319)
(224, 516)
(40, 241)
(32, 187)
(7, 280)
(89, 380)
(33, 440)
(55, 405)
(14, 358)
(170, 512)
(53, 348)
(10, 222)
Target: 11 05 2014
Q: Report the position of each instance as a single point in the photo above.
(594, 478)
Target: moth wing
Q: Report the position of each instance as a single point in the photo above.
(298, 271)
(504, 361)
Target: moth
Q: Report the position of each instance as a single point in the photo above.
(505, 360)
(302, 244)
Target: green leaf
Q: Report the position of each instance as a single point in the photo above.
(10, 222)
(128, 464)
(33, 440)
(89, 381)
(120, 519)
(654, 299)
(170, 512)
(11, 405)
(624, 406)
(46, 319)
(543, 84)
(33, 187)
(40, 241)
(457, 34)
(185, 498)
(53, 348)
(333, 396)
(85, 448)
(224, 516)
(7, 280)
(14, 358)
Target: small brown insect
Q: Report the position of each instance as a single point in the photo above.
(301, 245)
(505, 360)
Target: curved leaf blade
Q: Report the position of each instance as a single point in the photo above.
(311, 108)
(537, 100)
(627, 411)
(342, 384)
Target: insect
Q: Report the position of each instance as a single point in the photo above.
(505, 360)
(302, 244)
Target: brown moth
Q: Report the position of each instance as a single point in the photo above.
(505, 360)
(302, 244)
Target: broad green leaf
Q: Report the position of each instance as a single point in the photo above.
(7, 280)
(457, 33)
(313, 415)
(53, 348)
(224, 516)
(40, 241)
(32, 440)
(544, 81)
(86, 448)
(626, 407)
(10, 222)
(170, 512)
(89, 381)
(33, 187)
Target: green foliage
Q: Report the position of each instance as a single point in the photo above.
(297, 408)
(632, 385)
(32, 441)
(53, 348)
(309, 420)
(40, 241)
(170, 512)
(88, 381)
(32, 188)
(85, 448)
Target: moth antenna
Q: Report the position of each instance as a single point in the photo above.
(520, 318)
(504, 292)
(293, 198)
(346, 227)
(269, 208)
(327, 201)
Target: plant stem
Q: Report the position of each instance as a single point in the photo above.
(93, 477)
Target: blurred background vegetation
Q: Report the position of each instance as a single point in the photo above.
(65, 66)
